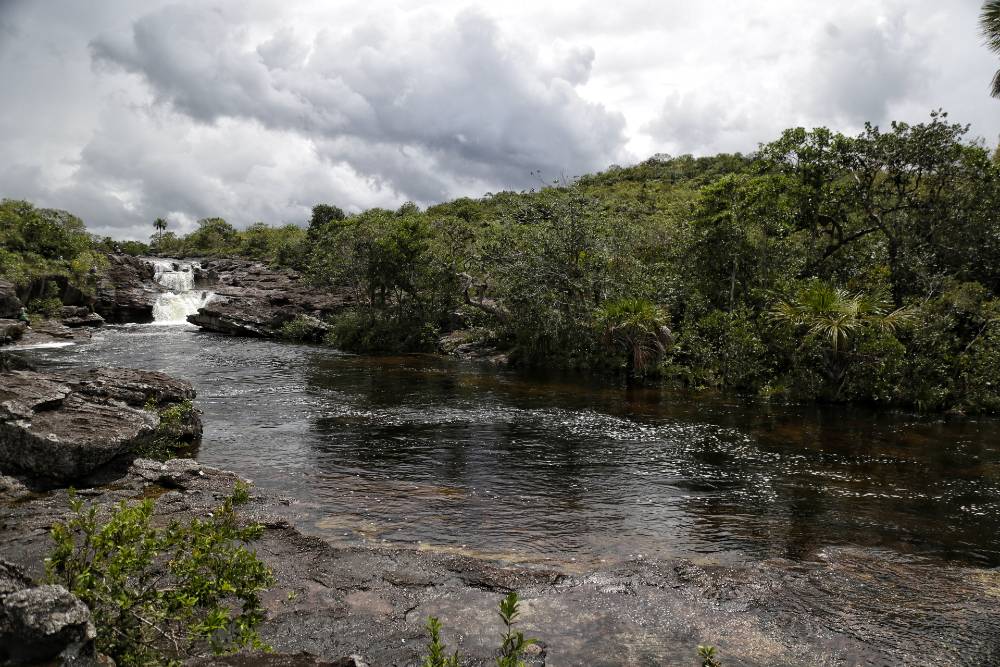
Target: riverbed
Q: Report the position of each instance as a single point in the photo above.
(635, 523)
(447, 455)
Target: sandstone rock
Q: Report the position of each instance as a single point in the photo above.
(126, 292)
(42, 623)
(253, 300)
(10, 305)
(63, 426)
(11, 330)
(79, 316)
(276, 660)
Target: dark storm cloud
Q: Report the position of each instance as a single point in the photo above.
(418, 111)
(256, 109)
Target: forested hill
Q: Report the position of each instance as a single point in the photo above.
(823, 267)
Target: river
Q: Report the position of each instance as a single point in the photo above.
(450, 456)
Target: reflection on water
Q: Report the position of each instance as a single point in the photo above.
(453, 457)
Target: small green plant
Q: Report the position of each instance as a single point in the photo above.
(708, 656)
(162, 594)
(436, 649)
(170, 437)
(513, 644)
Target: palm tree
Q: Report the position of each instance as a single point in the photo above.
(638, 328)
(989, 23)
(833, 314)
(161, 225)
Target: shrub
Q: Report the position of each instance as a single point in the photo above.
(48, 305)
(512, 642)
(303, 328)
(161, 594)
(170, 436)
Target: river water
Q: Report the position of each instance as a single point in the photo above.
(450, 456)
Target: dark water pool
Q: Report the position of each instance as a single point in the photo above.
(451, 456)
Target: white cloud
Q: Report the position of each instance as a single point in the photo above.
(123, 111)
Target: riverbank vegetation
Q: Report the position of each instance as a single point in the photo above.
(161, 594)
(822, 267)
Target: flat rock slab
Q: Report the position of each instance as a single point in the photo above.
(63, 426)
(847, 607)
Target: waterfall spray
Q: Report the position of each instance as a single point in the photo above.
(183, 299)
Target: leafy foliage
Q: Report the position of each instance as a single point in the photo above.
(161, 594)
(512, 647)
(822, 267)
(709, 656)
(989, 21)
(436, 650)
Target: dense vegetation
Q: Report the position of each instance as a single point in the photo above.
(161, 594)
(822, 267)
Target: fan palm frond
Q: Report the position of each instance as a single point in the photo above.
(989, 24)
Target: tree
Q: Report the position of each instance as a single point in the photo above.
(902, 195)
(636, 327)
(324, 213)
(832, 314)
(161, 226)
(989, 21)
(214, 236)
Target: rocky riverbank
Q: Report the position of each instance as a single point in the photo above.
(851, 608)
(63, 427)
(845, 606)
(251, 299)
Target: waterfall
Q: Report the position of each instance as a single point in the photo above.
(183, 299)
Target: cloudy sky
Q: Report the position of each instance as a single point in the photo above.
(122, 111)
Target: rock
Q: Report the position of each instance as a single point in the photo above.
(276, 660)
(64, 426)
(79, 316)
(11, 361)
(10, 304)
(253, 300)
(12, 490)
(470, 344)
(126, 292)
(11, 330)
(43, 623)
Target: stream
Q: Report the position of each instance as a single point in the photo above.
(449, 456)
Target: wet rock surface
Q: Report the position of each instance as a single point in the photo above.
(846, 607)
(64, 426)
(253, 300)
(79, 316)
(126, 292)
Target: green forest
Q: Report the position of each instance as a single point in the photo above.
(822, 267)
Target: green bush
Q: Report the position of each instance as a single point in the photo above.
(161, 594)
(302, 328)
(170, 439)
(512, 647)
(365, 331)
(49, 305)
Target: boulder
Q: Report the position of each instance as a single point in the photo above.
(10, 305)
(126, 292)
(11, 330)
(79, 316)
(275, 660)
(251, 299)
(42, 624)
(64, 426)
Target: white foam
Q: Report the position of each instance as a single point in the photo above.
(42, 346)
(172, 308)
